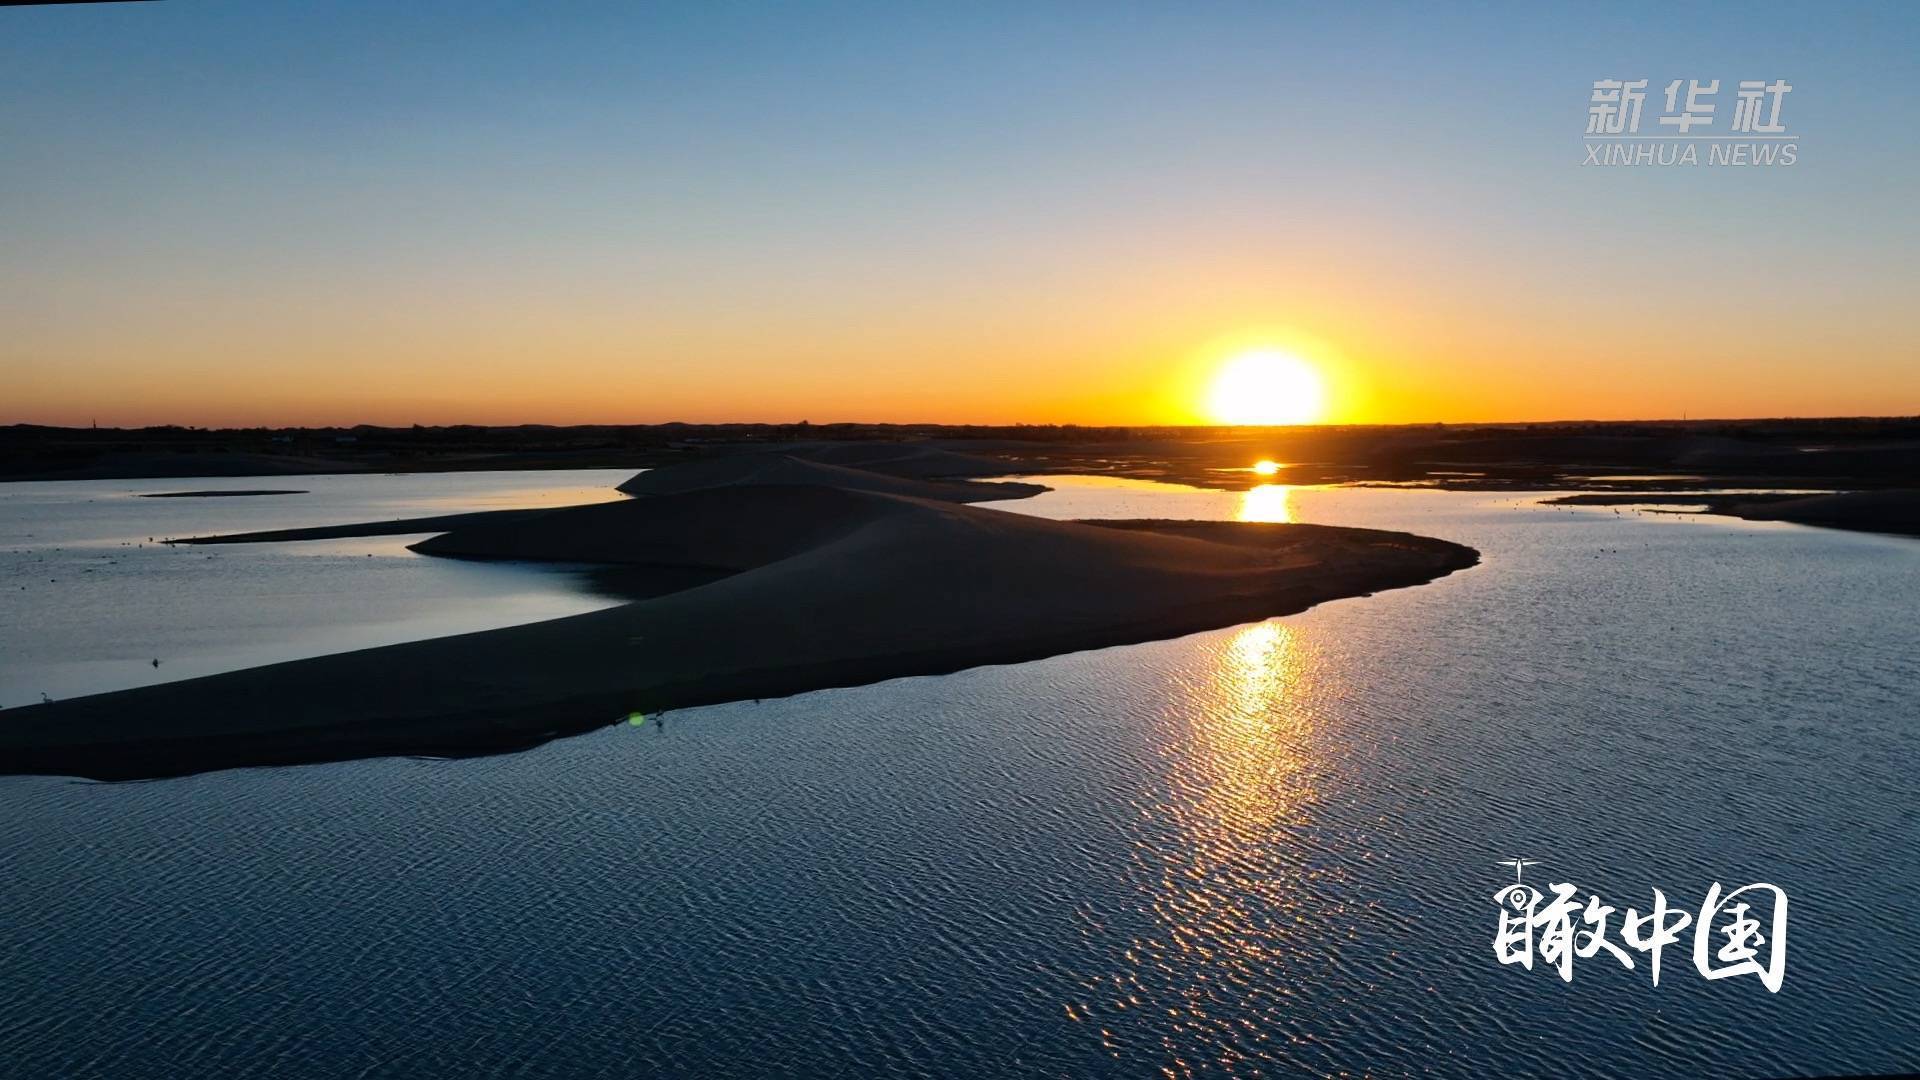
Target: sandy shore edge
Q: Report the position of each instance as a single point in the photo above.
(850, 588)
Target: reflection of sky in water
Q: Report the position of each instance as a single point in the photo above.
(95, 601)
(1267, 849)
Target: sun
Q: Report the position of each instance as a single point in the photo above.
(1267, 386)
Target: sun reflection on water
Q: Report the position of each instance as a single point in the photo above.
(1251, 743)
(1219, 868)
(1267, 502)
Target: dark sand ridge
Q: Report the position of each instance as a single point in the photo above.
(392, 527)
(733, 470)
(876, 472)
(221, 494)
(1862, 511)
(917, 460)
(825, 587)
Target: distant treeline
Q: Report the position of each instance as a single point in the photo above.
(1878, 448)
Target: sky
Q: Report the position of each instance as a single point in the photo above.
(237, 214)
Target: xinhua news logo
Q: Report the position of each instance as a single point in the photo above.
(1691, 129)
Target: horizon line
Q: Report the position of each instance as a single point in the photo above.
(973, 423)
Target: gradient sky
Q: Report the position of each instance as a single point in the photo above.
(246, 213)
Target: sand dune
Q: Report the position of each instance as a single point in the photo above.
(761, 469)
(732, 528)
(823, 587)
(917, 460)
(869, 475)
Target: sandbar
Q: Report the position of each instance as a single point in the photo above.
(787, 588)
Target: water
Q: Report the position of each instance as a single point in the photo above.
(1263, 850)
(92, 599)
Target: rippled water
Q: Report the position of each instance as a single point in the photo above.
(1257, 851)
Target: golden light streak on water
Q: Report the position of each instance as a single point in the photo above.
(1229, 892)
(1267, 502)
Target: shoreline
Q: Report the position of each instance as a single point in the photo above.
(220, 494)
(851, 587)
(1893, 512)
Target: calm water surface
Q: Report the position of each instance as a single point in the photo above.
(92, 599)
(1264, 850)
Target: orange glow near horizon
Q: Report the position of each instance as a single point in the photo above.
(538, 363)
(717, 219)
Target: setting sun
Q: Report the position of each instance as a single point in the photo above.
(1267, 386)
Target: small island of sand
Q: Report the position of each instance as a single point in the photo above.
(750, 579)
(1895, 511)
